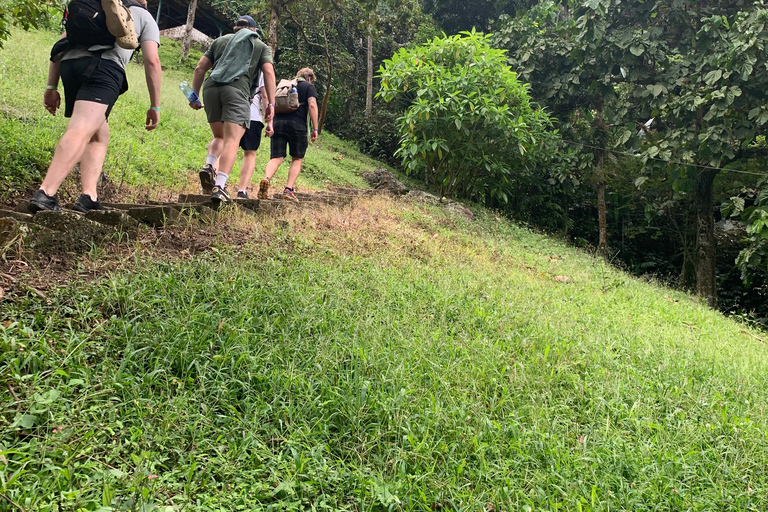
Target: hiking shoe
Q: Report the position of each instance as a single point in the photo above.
(242, 194)
(43, 202)
(263, 189)
(85, 204)
(288, 195)
(219, 195)
(207, 178)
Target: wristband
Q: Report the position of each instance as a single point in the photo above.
(272, 105)
(315, 130)
(156, 109)
(52, 87)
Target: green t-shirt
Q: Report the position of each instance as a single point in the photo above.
(262, 54)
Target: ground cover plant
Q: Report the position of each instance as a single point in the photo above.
(168, 157)
(383, 356)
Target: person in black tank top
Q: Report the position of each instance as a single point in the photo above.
(291, 132)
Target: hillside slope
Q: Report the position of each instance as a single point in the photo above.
(385, 355)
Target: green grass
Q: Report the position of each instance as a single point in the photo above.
(382, 358)
(169, 156)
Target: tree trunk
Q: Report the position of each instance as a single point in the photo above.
(187, 42)
(327, 95)
(369, 77)
(273, 18)
(704, 203)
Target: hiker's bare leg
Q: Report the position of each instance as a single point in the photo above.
(92, 160)
(249, 164)
(272, 166)
(87, 117)
(217, 143)
(293, 172)
(232, 134)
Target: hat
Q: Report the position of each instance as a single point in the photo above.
(246, 21)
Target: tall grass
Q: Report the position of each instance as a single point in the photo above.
(382, 357)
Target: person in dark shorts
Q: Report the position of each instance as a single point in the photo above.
(252, 140)
(93, 79)
(291, 134)
(236, 61)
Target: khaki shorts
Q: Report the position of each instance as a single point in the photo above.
(224, 103)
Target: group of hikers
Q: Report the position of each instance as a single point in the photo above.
(238, 99)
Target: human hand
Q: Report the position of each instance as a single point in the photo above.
(196, 105)
(52, 100)
(270, 129)
(153, 119)
(314, 135)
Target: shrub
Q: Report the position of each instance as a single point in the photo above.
(469, 123)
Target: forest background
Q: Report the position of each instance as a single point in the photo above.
(653, 147)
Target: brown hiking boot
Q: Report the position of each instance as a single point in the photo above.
(207, 178)
(263, 192)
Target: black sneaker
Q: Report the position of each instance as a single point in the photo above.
(85, 204)
(43, 202)
(219, 195)
(207, 178)
(242, 194)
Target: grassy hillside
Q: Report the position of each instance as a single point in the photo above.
(386, 355)
(168, 157)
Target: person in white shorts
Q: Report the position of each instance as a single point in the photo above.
(252, 139)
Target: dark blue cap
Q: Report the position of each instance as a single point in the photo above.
(246, 21)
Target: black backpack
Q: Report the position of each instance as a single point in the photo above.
(86, 24)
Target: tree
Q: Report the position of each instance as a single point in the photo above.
(692, 65)
(469, 125)
(25, 14)
(187, 41)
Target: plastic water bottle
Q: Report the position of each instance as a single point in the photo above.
(293, 98)
(189, 93)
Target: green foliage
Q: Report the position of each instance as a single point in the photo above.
(469, 125)
(26, 14)
(294, 376)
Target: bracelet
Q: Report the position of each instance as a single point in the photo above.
(272, 105)
(315, 130)
(156, 109)
(52, 87)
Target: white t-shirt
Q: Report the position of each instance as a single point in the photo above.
(146, 30)
(256, 103)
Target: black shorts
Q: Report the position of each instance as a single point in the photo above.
(289, 133)
(86, 79)
(251, 140)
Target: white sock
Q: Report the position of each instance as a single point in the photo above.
(212, 160)
(221, 180)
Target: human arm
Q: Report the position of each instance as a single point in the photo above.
(312, 104)
(269, 130)
(203, 66)
(51, 97)
(269, 85)
(154, 75)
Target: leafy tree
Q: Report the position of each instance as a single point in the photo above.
(692, 65)
(23, 13)
(469, 124)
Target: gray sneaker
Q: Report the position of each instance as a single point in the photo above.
(219, 195)
(207, 178)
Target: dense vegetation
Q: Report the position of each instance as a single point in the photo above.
(387, 356)
(384, 357)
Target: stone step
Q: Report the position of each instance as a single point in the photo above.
(156, 216)
(10, 214)
(116, 218)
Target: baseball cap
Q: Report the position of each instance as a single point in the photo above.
(246, 21)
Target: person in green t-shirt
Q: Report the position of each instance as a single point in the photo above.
(236, 62)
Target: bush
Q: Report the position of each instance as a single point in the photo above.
(469, 124)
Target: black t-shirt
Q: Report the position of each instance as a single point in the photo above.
(306, 90)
